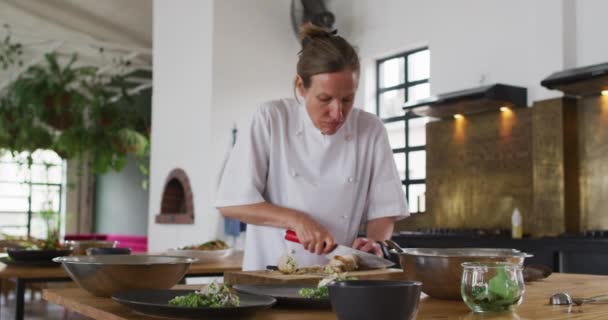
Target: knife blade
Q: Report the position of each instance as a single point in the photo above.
(367, 260)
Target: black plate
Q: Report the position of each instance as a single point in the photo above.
(286, 295)
(11, 262)
(25, 255)
(155, 302)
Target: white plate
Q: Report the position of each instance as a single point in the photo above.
(203, 256)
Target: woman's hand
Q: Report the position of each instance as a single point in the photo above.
(368, 245)
(313, 236)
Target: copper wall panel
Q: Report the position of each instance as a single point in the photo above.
(479, 169)
(593, 153)
(548, 169)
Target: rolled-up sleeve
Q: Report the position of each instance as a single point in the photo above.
(385, 197)
(244, 178)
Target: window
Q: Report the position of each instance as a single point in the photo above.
(399, 79)
(26, 190)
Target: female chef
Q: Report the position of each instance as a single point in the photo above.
(314, 165)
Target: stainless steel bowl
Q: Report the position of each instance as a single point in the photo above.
(104, 275)
(440, 270)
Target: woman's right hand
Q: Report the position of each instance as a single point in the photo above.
(313, 236)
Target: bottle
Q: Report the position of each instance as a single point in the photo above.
(516, 226)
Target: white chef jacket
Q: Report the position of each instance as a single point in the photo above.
(339, 180)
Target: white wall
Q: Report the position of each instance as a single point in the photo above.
(516, 42)
(215, 62)
(591, 26)
(181, 114)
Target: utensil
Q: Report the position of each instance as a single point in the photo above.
(440, 269)
(367, 260)
(563, 298)
(286, 295)
(104, 275)
(375, 299)
(156, 303)
(492, 286)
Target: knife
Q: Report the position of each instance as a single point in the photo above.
(367, 260)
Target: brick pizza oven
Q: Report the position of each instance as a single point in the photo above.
(176, 205)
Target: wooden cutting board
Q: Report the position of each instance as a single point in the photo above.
(275, 277)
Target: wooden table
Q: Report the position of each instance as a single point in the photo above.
(534, 306)
(24, 275)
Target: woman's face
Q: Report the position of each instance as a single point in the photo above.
(329, 98)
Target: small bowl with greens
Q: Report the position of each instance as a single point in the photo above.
(492, 286)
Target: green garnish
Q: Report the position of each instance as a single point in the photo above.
(321, 291)
(214, 296)
(499, 295)
(314, 293)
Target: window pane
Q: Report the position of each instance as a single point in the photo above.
(396, 134)
(391, 103)
(13, 205)
(46, 156)
(419, 66)
(417, 134)
(13, 224)
(12, 172)
(43, 196)
(12, 190)
(417, 198)
(417, 161)
(15, 174)
(392, 72)
(400, 162)
(418, 92)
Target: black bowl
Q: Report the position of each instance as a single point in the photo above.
(28, 255)
(96, 251)
(375, 299)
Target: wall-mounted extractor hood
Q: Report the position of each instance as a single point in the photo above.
(590, 80)
(470, 101)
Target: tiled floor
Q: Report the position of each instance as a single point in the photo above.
(36, 309)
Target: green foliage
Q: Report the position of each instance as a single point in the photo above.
(69, 109)
(499, 295)
(215, 296)
(10, 52)
(315, 293)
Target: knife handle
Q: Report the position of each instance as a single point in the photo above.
(290, 235)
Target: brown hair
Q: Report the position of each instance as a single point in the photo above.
(323, 52)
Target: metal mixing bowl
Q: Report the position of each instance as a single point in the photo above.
(104, 275)
(440, 269)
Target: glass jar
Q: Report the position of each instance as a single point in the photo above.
(492, 286)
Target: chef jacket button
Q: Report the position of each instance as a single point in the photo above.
(294, 173)
(349, 137)
(344, 217)
(299, 133)
(351, 179)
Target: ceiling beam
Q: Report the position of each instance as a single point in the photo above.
(76, 20)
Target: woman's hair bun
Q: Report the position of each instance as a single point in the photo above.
(309, 32)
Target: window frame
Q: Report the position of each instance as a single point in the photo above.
(28, 181)
(406, 117)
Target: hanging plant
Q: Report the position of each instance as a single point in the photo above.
(72, 110)
(10, 51)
